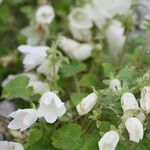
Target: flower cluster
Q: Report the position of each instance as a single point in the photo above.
(84, 53)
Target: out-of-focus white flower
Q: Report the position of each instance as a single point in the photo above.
(128, 102)
(22, 119)
(39, 87)
(79, 17)
(102, 10)
(80, 34)
(45, 14)
(115, 85)
(4, 145)
(145, 99)
(36, 34)
(141, 116)
(51, 107)
(1, 1)
(74, 49)
(135, 129)
(48, 70)
(86, 105)
(109, 141)
(34, 55)
(115, 38)
(80, 24)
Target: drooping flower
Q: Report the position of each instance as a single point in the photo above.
(51, 107)
(141, 116)
(47, 70)
(109, 141)
(80, 24)
(135, 129)
(34, 55)
(35, 33)
(4, 145)
(74, 49)
(22, 119)
(116, 39)
(115, 85)
(145, 99)
(45, 14)
(129, 102)
(86, 105)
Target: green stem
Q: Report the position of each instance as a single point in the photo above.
(77, 84)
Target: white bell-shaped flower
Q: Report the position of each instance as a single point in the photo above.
(47, 70)
(4, 145)
(45, 14)
(129, 102)
(115, 85)
(86, 105)
(135, 129)
(34, 55)
(109, 141)
(145, 99)
(22, 119)
(81, 34)
(74, 49)
(51, 107)
(141, 116)
(79, 17)
(36, 34)
(115, 38)
(80, 23)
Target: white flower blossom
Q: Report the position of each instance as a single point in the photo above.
(45, 14)
(80, 19)
(4, 145)
(107, 9)
(80, 24)
(22, 119)
(145, 99)
(51, 107)
(129, 102)
(141, 116)
(135, 129)
(74, 49)
(115, 38)
(86, 105)
(35, 33)
(34, 55)
(115, 85)
(48, 70)
(109, 141)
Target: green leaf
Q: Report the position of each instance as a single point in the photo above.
(17, 88)
(34, 135)
(72, 69)
(90, 141)
(76, 98)
(68, 137)
(89, 80)
(127, 75)
(108, 69)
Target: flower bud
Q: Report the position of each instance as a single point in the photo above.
(145, 99)
(135, 129)
(87, 104)
(74, 49)
(128, 102)
(115, 85)
(109, 141)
